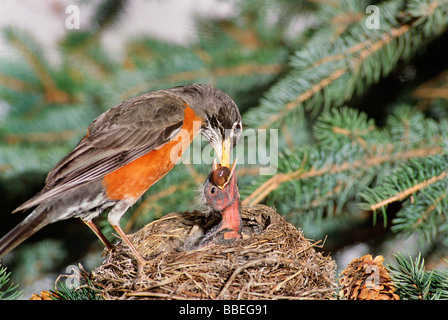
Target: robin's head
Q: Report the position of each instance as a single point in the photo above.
(222, 120)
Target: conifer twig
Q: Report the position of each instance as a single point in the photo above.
(434, 88)
(363, 51)
(426, 213)
(303, 97)
(405, 193)
(40, 137)
(14, 83)
(278, 179)
(186, 76)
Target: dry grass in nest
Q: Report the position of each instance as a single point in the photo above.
(273, 261)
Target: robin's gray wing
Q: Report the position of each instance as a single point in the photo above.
(116, 138)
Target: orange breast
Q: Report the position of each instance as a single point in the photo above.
(133, 179)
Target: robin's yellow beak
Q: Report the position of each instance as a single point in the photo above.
(223, 151)
(225, 157)
(225, 160)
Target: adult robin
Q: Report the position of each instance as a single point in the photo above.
(125, 151)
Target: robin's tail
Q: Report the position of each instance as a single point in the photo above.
(33, 223)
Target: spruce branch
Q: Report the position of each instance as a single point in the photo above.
(424, 214)
(411, 177)
(420, 185)
(413, 282)
(301, 98)
(350, 158)
(409, 191)
(365, 164)
(207, 73)
(325, 75)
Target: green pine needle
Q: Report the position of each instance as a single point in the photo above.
(8, 291)
(66, 292)
(413, 282)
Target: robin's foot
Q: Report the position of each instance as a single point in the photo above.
(141, 261)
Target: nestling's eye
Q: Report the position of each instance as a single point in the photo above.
(213, 190)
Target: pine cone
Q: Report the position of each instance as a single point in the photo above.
(44, 295)
(367, 279)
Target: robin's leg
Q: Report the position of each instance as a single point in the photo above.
(114, 220)
(99, 234)
(131, 246)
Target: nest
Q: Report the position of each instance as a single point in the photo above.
(272, 261)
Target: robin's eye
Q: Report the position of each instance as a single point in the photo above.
(237, 128)
(213, 190)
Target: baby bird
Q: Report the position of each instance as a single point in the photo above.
(221, 195)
